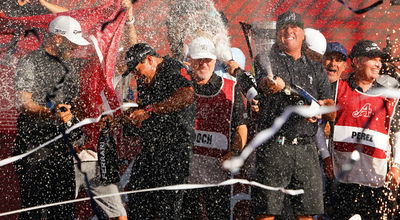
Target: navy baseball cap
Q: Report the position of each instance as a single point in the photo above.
(289, 17)
(136, 54)
(366, 48)
(336, 47)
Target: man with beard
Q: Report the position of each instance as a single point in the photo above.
(221, 133)
(47, 176)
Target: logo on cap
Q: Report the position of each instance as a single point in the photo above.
(203, 47)
(58, 31)
(290, 17)
(374, 47)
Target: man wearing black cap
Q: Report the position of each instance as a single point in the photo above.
(363, 128)
(165, 120)
(290, 158)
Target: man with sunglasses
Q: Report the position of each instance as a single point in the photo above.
(164, 120)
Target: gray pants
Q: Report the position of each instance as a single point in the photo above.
(112, 206)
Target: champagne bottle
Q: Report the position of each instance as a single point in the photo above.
(299, 95)
(107, 156)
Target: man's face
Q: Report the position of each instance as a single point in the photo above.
(290, 38)
(334, 65)
(65, 48)
(202, 69)
(145, 68)
(367, 68)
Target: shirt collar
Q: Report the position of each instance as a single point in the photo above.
(283, 54)
(211, 86)
(354, 86)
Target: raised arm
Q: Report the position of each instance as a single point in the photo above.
(53, 8)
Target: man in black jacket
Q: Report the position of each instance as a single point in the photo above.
(165, 118)
(290, 158)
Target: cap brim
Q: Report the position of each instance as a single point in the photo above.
(341, 54)
(78, 40)
(203, 56)
(376, 54)
(298, 24)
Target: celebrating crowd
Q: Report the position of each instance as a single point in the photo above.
(197, 111)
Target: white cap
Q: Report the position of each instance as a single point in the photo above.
(68, 27)
(315, 40)
(201, 48)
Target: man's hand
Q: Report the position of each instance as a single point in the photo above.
(232, 66)
(328, 168)
(393, 177)
(126, 4)
(327, 130)
(269, 86)
(313, 119)
(138, 116)
(328, 116)
(77, 149)
(64, 112)
(227, 156)
(254, 105)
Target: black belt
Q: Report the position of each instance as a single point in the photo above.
(281, 140)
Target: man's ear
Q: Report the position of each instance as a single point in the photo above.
(58, 39)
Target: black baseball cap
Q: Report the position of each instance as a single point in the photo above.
(136, 54)
(366, 48)
(289, 17)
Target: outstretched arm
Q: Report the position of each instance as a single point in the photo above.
(53, 8)
(180, 99)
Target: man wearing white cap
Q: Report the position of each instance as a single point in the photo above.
(221, 132)
(316, 44)
(47, 87)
